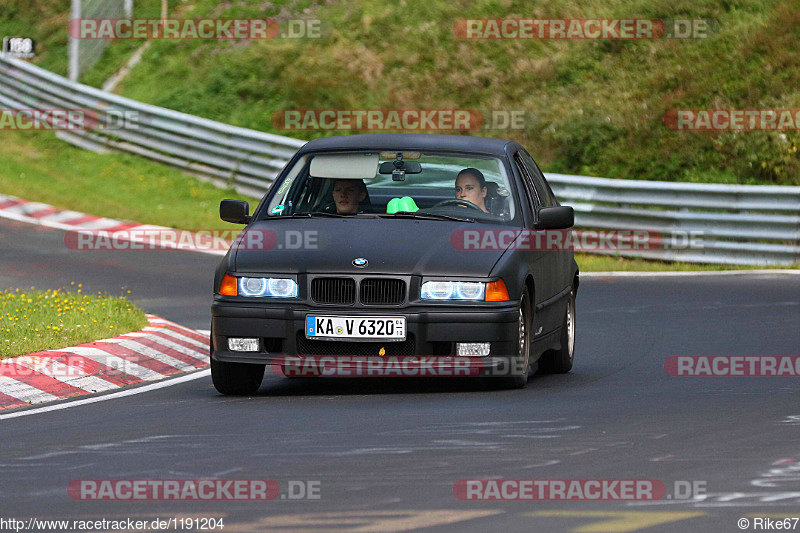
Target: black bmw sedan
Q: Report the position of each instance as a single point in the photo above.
(401, 255)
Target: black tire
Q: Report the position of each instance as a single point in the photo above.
(560, 361)
(236, 378)
(521, 362)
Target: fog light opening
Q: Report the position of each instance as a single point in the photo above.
(473, 349)
(242, 344)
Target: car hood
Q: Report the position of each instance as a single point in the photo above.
(391, 246)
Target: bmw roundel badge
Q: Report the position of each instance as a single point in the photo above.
(360, 262)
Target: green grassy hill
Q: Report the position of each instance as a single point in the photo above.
(594, 107)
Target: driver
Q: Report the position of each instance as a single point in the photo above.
(471, 186)
(348, 195)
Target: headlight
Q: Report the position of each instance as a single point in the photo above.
(271, 287)
(453, 290)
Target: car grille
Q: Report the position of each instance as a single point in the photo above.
(377, 291)
(316, 347)
(333, 290)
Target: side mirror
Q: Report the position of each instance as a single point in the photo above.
(562, 217)
(235, 211)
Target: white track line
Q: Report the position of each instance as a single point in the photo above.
(624, 274)
(112, 396)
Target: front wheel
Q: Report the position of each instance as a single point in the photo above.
(560, 361)
(236, 378)
(520, 364)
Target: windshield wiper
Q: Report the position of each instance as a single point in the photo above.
(315, 214)
(426, 216)
(338, 215)
(293, 215)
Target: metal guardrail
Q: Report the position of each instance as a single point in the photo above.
(739, 224)
(247, 159)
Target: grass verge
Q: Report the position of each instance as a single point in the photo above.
(36, 320)
(608, 263)
(39, 167)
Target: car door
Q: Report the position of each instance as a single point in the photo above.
(564, 254)
(542, 261)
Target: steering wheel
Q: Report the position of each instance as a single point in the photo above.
(455, 201)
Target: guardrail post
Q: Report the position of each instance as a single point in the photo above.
(73, 66)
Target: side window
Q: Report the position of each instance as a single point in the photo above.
(550, 192)
(542, 189)
(527, 181)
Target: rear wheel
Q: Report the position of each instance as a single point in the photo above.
(560, 361)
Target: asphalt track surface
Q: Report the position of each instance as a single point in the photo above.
(386, 453)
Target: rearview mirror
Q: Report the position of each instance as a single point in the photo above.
(235, 211)
(410, 167)
(561, 217)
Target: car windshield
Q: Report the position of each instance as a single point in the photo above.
(402, 184)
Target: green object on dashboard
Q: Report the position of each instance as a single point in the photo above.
(406, 203)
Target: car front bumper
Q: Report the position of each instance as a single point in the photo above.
(430, 331)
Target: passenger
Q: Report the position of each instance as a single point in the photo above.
(471, 186)
(348, 195)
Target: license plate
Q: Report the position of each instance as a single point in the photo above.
(356, 327)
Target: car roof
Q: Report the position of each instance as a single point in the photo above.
(409, 141)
